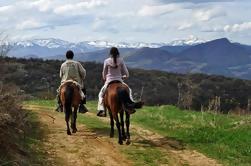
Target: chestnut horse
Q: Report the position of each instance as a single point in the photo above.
(70, 97)
(116, 100)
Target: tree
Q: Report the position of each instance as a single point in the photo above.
(185, 91)
(4, 44)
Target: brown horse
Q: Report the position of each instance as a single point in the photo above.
(70, 97)
(117, 101)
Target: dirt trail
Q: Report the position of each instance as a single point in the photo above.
(96, 150)
(83, 148)
(176, 150)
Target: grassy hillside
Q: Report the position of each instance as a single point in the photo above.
(222, 137)
(40, 79)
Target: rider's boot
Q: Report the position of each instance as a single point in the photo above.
(82, 109)
(101, 109)
(133, 106)
(60, 106)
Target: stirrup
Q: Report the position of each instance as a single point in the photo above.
(59, 109)
(138, 104)
(82, 109)
(132, 111)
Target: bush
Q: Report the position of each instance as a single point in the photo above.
(12, 122)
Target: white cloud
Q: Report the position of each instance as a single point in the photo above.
(208, 14)
(185, 26)
(80, 7)
(21, 37)
(143, 28)
(238, 27)
(42, 5)
(98, 23)
(29, 24)
(63, 9)
(101, 25)
(157, 10)
(5, 8)
(231, 28)
(141, 20)
(124, 14)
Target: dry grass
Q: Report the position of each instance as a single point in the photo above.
(13, 124)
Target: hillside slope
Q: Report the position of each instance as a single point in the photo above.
(40, 78)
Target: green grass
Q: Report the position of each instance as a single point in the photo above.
(223, 137)
(33, 141)
(145, 156)
(226, 138)
(46, 103)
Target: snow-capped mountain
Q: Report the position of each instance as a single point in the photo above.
(48, 47)
(191, 40)
(54, 47)
(106, 44)
(57, 43)
(52, 43)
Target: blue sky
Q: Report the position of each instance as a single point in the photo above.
(126, 20)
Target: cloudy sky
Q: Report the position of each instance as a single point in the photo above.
(126, 20)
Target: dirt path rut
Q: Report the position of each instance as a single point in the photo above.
(177, 152)
(84, 148)
(87, 148)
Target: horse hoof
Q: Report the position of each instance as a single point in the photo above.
(120, 142)
(68, 133)
(74, 130)
(111, 135)
(128, 142)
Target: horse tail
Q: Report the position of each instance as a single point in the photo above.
(125, 99)
(69, 92)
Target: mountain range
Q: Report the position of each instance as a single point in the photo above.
(219, 56)
(44, 48)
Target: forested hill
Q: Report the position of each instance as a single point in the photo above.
(40, 78)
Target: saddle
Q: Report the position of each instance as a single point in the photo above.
(113, 82)
(110, 83)
(76, 84)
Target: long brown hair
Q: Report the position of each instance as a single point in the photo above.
(114, 52)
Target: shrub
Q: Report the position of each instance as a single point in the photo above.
(12, 122)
